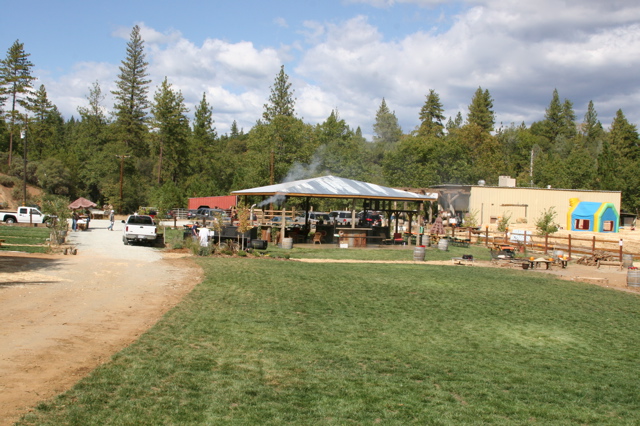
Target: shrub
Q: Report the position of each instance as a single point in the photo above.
(503, 223)
(545, 224)
(8, 181)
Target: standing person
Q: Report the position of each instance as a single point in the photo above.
(88, 217)
(194, 231)
(112, 219)
(74, 220)
(203, 236)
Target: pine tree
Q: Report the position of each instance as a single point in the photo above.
(207, 156)
(94, 111)
(234, 130)
(131, 96)
(15, 83)
(454, 124)
(481, 110)
(386, 128)
(553, 118)
(281, 100)
(592, 131)
(624, 138)
(431, 116)
(204, 130)
(42, 133)
(171, 131)
(568, 120)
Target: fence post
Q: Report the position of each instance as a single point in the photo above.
(620, 249)
(593, 245)
(569, 246)
(546, 243)
(486, 236)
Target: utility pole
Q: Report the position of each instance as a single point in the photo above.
(121, 157)
(23, 134)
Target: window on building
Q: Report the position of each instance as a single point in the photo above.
(607, 226)
(582, 224)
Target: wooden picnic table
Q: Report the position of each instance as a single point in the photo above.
(536, 263)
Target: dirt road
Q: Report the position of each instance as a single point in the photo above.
(61, 316)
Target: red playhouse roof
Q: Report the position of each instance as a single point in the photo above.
(223, 202)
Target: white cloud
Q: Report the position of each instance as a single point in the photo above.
(519, 51)
(281, 22)
(509, 48)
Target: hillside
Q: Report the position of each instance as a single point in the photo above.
(7, 199)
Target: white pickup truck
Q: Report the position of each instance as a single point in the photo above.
(139, 229)
(24, 215)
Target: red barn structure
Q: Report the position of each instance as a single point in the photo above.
(224, 202)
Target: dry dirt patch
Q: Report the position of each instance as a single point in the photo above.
(62, 316)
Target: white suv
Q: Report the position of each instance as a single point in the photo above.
(341, 217)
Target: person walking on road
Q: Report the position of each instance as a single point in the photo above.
(111, 220)
(74, 221)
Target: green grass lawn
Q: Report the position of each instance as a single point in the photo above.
(265, 341)
(24, 238)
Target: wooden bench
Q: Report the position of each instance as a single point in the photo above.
(609, 263)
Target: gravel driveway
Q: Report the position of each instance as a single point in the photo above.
(62, 316)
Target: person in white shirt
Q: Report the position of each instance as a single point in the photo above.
(203, 236)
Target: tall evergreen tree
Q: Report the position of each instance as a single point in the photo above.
(283, 137)
(171, 132)
(558, 127)
(234, 133)
(431, 116)
(386, 128)
(281, 100)
(624, 138)
(15, 83)
(203, 125)
(42, 133)
(456, 123)
(553, 123)
(341, 152)
(131, 101)
(592, 131)
(568, 120)
(481, 110)
(94, 111)
(92, 158)
(209, 156)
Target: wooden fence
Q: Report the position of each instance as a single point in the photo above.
(570, 244)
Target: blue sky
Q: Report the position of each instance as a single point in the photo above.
(345, 55)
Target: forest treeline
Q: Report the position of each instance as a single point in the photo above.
(148, 151)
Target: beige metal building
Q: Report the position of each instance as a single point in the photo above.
(524, 205)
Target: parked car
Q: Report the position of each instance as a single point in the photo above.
(341, 217)
(314, 217)
(191, 214)
(208, 215)
(139, 229)
(278, 220)
(369, 218)
(23, 215)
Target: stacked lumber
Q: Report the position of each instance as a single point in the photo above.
(597, 257)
